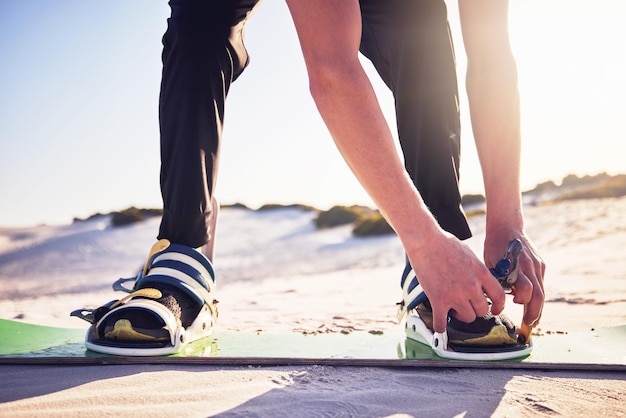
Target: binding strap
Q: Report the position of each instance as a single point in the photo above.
(183, 267)
(412, 292)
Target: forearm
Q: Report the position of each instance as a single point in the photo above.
(365, 141)
(495, 111)
(330, 34)
(494, 106)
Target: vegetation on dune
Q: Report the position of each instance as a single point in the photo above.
(472, 199)
(235, 206)
(131, 215)
(606, 188)
(599, 186)
(369, 222)
(125, 217)
(339, 215)
(274, 206)
(573, 187)
(373, 225)
(91, 217)
(366, 221)
(474, 212)
(473, 204)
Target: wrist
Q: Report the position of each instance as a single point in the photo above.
(420, 233)
(504, 209)
(512, 219)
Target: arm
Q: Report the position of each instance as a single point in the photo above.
(452, 277)
(495, 112)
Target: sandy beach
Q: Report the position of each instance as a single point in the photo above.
(276, 272)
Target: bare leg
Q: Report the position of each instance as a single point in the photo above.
(208, 249)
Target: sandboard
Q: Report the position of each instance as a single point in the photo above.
(601, 349)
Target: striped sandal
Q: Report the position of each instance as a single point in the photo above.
(170, 305)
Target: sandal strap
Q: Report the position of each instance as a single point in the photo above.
(179, 275)
(189, 256)
(168, 319)
(182, 267)
(412, 292)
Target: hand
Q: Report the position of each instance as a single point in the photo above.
(455, 281)
(528, 289)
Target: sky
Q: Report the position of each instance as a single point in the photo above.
(79, 86)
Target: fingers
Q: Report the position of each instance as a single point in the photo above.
(523, 291)
(534, 306)
(470, 307)
(494, 292)
(440, 318)
(529, 293)
(529, 286)
(533, 315)
(479, 306)
(464, 313)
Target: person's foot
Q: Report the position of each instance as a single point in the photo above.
(489, 330)
(171, 304)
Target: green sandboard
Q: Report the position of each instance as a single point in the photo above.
(601, 349)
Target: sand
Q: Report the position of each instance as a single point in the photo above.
(305, 391)
(277, 273)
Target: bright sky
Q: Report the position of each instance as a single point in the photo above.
(79, 85)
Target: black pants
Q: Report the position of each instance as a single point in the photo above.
(203, 53)
(409, 43)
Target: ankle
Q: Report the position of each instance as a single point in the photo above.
(208, 250)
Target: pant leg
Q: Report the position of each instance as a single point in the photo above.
(203, 53)
(410, 45)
